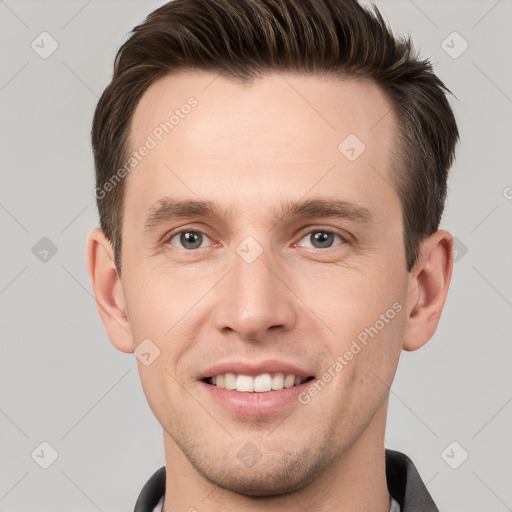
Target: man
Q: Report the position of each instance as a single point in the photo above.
(271, 176)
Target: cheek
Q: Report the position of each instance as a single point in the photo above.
(363, 318)
(158, 307)
(350, 301)
(367, 349)
(373, 350)
(157, 301)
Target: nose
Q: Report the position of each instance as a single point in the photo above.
(255, 298)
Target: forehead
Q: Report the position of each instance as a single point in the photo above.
(280, 136)
(273, 102)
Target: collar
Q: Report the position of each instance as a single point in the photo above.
(404, 485)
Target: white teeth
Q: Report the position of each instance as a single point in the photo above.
(263, 383)
(230, 381)
(278, 381)
(289, 381)
(259, 384)
(244, 383)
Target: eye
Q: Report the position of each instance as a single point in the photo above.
(322, 239)
(188, 238)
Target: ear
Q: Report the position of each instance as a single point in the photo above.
(108, 290)
(428, 286)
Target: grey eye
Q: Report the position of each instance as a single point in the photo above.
(321, 239)
(189, 239)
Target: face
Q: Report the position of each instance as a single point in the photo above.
(298, 261)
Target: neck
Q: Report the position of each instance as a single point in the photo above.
(354, 482)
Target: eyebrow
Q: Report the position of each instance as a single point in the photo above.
(168, 208)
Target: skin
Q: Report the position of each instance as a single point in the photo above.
(250, 147)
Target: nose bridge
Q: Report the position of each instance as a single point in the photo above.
(254, 298)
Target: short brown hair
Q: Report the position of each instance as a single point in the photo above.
(242, 40)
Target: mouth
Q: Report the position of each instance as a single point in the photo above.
(262, 383)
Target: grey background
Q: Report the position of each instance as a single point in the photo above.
(61, 381)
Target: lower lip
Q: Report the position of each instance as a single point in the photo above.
(255, 403)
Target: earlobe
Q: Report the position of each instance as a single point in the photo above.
(428, 288)
(108, 290)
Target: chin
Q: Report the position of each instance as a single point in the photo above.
(266, 478)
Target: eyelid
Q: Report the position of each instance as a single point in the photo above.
(345, 237)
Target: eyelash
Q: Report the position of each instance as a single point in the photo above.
(169, 237)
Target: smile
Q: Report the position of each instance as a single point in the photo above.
(257, 384)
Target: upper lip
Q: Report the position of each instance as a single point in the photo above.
(253, 369)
